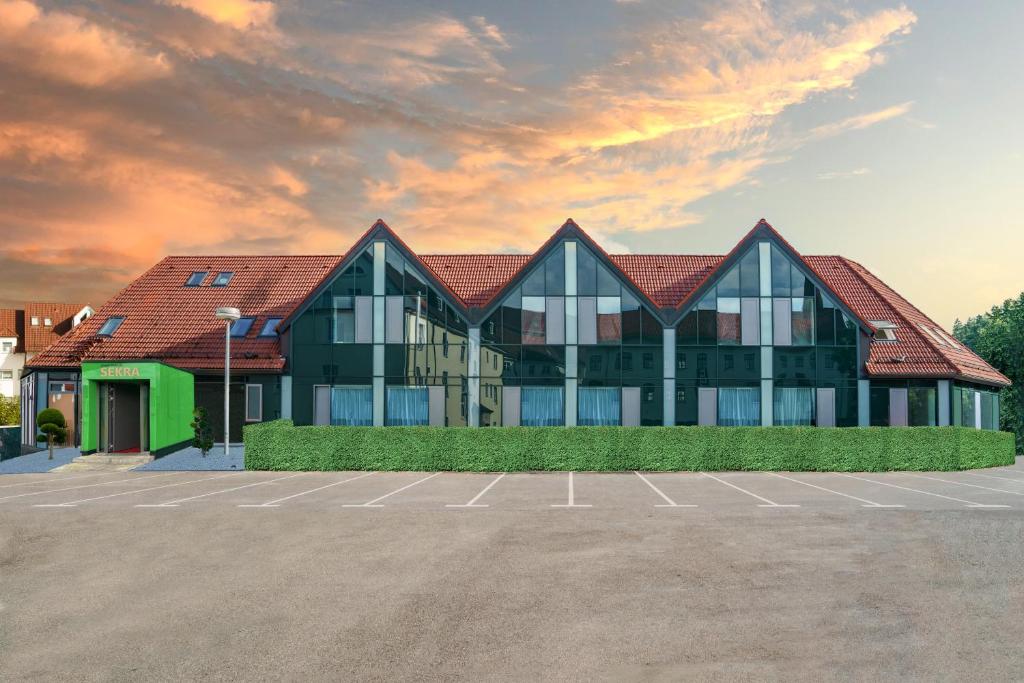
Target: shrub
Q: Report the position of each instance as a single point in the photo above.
(53, 427)
(280, 445)
(10, 411)
(202, 433)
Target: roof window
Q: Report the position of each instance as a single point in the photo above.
(884, 330)
(269, 327)
(241, 327)
(35, 320)
(196, 278)
(111, 325)
(222, 279)
(48, 322)
(949, 340)
(933, 334)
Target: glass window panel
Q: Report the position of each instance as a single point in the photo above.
(653, 332)
(352, 406)
(414, 284)
(729, 285)
(879, 397)
(240, 327)
(554, 272)
(798, 282)
(686, 330)
(533, 285)
(793, 407)
(455, 322)
(344, 329)
(707, 327)
(406, 406)
(542, 406)
(739, 406)
(922, 405)
(362, 274)
(967, 409)
(780, 273)
(609, 319)
(607, 284)
(632, 320)
(195, 279)
(586, 270)
(728, 321)
(794, 365)
(846, 407)
(394, 270)
(803, 322)
(599, 406)
(846, 330)
(837, 363)
(986, 410)
(110, 326)
(742, 363)
(709, 302)
(490, 330)
(533, 315)
(686, 404)
(750, 274)
(598, 365)
(543, 363)
(222, 279)
(641, 363)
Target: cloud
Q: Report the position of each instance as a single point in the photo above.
(67, 48)
(835, 175)
(860, 121)
(238, 14)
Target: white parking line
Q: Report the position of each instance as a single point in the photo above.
(961, 483)
(1012, 472)
(473, 503)
(572, 497)
(373, 503)
(768, 503)
(1008, 480)
(174, 503)
(275, 503)
(968, 503)
(85, 486)
(670, 503)
(55, 478)
(867, 503)
(74, 503)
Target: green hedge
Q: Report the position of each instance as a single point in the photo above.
(280, 445)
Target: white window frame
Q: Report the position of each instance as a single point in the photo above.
(7, 347)
(35, 321)
(7, 374)
(260, 403)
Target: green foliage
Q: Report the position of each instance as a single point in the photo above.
(10, 411)
(998, 337)
(203, 434)
(51, 423)
(280, 445)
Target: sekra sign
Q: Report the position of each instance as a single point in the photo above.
(119, 371)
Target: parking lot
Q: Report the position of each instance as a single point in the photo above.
(537, 576)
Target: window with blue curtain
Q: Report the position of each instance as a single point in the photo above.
(352, 406)
(542, 407)
(407, 406)
(600, 406)
(739, 407)
(794, 406)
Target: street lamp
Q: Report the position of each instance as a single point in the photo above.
(228, 315)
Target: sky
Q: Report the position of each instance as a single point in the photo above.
(888, 133)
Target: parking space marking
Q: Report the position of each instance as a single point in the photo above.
(85, 486)
(767, 503)
(276, 503)
(669, 503)
(74, 503)
(1010, 480)
(175, 503)
(55, 479)
(968, 503)
(961, 483)
(373, 503)
(473, 503)
(572, 497)
(867, 503)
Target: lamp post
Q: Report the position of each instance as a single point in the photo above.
(228, 315)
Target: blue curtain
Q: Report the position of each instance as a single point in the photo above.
(542, 407)
(739, 407)
(407, 406)
(600, 406)
(794, 406)
(352, 406)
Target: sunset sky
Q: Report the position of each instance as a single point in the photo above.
(884, 132)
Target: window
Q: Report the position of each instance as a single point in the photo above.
(241, 327)
(933, 334)
(949, 340)
(196, 278)
(609, 320)
(110, 326)
(600, 406)
(352, 406)
(35, 320)
(534, 329)
(803, 322)
(922, 406)
(542, 407)
(222, 279)
(269, 328)
(407, 406)
(344, 323)
(739, 407)
(47, 322)
(794, 406)
(729, 321)
(7, 347)
(6, 374)
(253, 402)
(884, 330)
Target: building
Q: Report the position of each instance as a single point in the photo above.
(24, 332)
(569, 335)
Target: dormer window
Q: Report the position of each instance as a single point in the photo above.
(885, 331)
(241, 327)
(111, 325)
(222, 279)
(196, 278)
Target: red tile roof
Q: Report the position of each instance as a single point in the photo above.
(8, 322)
(39, 337)
(166, 321)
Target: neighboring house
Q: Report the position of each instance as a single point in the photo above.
(569, 335)
(24, 332)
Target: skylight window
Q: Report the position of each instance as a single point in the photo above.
(222, 279)
(949, 340)
(111, 325)
(196, 279)
(933, 334)
(884, 330)
(241, 327)
(269, 327)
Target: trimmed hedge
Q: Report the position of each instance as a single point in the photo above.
(280, 445)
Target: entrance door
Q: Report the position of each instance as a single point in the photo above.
(124, 414)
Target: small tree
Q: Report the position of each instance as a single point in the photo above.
(53, 427)
(203, 435)
(10, 411)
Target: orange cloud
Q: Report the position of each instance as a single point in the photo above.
(238, 14)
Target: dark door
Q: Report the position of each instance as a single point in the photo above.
(210, 395)
(125, 423)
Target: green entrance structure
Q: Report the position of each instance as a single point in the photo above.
(136, 407)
